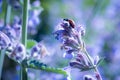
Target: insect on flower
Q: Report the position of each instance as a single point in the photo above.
(71, 22)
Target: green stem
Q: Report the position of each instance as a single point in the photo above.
(23, 73)
(7, 16)
(2, 54)
(49, 69)
(24, 35)
(25, 22)
(95, 67)
(6, 21)
(36, 64)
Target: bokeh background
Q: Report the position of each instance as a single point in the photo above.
(101, 19)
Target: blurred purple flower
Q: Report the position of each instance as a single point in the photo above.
(68, 55)
(4, 41)
(38, 51)
(19, 53)
(80, 62)
(0, 6)
(13, 32)
(34, 20)
(1, 23)
(89, 77)
(14, 3)
(69, 35)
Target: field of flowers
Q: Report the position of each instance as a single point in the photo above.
(59, 40)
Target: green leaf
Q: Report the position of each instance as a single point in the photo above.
(100, 61)
(36, 8)
(31, 43)
(87, 68)
(36, 64)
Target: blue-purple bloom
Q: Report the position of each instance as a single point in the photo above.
(34, 20)
(19, 53)
(38, 51)
(69, 37)
(89, 77)
(81, 62)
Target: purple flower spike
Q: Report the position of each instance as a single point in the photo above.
(18, 29)
(70, 37)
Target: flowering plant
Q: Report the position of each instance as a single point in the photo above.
(70, 37)
(28, 53)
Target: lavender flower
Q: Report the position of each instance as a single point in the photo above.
(14, 3)
(19, 53)
(4, 40)
(68, 71)
(17, 28)
(80, 30)
(10, 32)
(70, 37)
(81, 62)
(69, 54)
(38, 51)
(34, 21)
(89, 77)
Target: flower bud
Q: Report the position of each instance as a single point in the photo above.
(18, 29)
(96, 60)
(4, 40)
(61, 34)
(38, 51)
(10, 32)
(80, 30)
(76, 64)
(89, 77)
(82, 58)
(71, 42)
(81, 62)
(19, 53)
(68, 55)
(35, 51)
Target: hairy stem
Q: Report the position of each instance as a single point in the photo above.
(6, 21)
(24, 35)
(98, 76)
(8, 13)
(23, 73)
(25, 22)
(2, 54)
